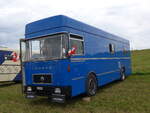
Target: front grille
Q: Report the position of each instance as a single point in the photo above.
(41, 78)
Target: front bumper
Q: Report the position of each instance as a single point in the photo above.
(49, 91)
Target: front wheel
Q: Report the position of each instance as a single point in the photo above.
(91, 85)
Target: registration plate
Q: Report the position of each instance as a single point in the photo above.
(39, 88)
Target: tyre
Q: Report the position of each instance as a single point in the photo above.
(91, 85)
(122, 73)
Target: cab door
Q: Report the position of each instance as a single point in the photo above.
(76, 46)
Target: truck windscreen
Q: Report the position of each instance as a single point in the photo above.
(45, 48)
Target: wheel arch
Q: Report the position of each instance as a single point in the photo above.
(93, 73)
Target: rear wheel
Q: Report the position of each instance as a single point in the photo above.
(91, 85)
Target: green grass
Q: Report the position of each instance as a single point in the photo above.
(130, 96)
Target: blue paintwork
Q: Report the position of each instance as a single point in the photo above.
(96, 44)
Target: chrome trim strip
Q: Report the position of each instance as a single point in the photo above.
(107, 72)
(77, 60)
(78, 78)
(100, 58)
(81, 77)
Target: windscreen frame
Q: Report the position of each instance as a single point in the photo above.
(45, 36)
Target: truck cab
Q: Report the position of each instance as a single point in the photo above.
(46, 65)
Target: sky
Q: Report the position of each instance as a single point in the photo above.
(129, 19)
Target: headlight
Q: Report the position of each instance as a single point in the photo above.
(29, 88)
(57, 90)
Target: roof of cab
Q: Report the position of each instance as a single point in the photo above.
(64, 21)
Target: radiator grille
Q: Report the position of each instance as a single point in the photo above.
(42, 78)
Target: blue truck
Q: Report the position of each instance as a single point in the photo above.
(62, 58)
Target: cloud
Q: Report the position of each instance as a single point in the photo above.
(128, 18)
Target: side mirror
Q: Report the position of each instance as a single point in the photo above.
(72, 51)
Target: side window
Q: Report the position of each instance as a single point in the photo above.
(112, 48)
(77, 42)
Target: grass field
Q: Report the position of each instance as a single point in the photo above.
(130, 96)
